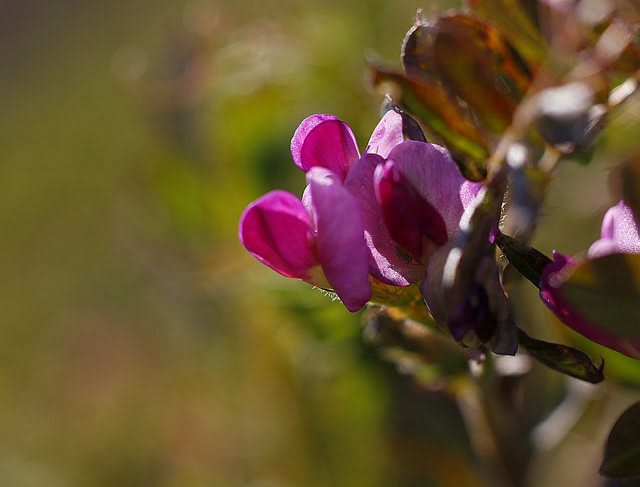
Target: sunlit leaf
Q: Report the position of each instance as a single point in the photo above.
(562, 358)
(622, 451)
(473, 61)
(433, 106)
(513, 21)
(606, 292)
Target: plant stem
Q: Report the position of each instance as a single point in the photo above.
(494, 428)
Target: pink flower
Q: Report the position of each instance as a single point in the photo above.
(619, 235)
(321, 239)
(379, 214)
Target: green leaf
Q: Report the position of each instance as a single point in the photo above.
(439, 111)
(606, 292)
(622, 450)
(528, 261)
(562, 358)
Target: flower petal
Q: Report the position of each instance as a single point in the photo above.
(340, 242)
(407, 215)
(386, 135)
(276, 230)
(436, 177)
(324, 141)
(619, 233)
(385, 262)
(552, 297)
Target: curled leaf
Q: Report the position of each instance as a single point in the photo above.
(564, 359)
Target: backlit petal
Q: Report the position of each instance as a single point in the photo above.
(340, 242)
(436, 177)
(619, 233)
(386, 262)
(276, 230)
(386, 135)
(324, 141)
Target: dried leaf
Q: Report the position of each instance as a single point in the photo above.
(458, 48)
(513, 21)
(433, 106)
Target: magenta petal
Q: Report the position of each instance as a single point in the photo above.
(324, 141)
(340, 242)
(408, 216)
(619, 233)
(386, 263)
(436, 177)
(556, 302)
(386, 135)
(276, 230)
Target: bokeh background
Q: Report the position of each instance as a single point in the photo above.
(139, 344)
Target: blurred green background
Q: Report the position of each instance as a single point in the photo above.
(139, 344)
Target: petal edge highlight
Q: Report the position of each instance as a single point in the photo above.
(276, 230)
(324, 141)
(340, 242)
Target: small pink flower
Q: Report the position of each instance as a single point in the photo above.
(619, 235)
(379, 214)
(320, 239)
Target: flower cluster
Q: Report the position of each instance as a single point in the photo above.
(396, 215)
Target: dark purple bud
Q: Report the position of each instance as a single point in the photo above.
(474, 315)
(407, 215)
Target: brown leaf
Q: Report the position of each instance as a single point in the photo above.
(473, 61)
(511, 18)
(438, 111)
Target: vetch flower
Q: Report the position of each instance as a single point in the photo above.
(326, 141)
(619, 235)
(320, 239)
(381, 214)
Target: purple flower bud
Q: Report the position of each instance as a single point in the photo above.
(474, 315)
